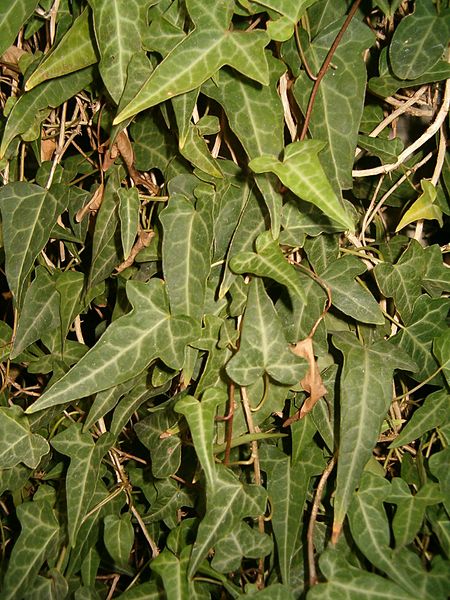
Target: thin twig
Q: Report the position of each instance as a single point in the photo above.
(302, 55)
(312, 521)
(324, 67)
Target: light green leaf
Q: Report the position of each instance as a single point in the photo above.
(423, 207)
(83, 472)
(118, 536)
(28, 214)
(339, 102)
(268, 261)
(186, 253)
(227, 504)
(30, 105)
(173, 572)
(418, 42)
(12, 16)
(144, 591)
(196, 151)
(127, 347)
(129, 217)
(210, 46)
(293, 9)
(40, 529)
(105, 401)
(366, 393)
(434, 412)
(287, 488)
(263, 347)
(117, 31)
(349, 296)
(40, 312)
(441, 349)
(74, 52)
(17, 443)
(402, 281)
(427, 322)
(437, 276)
(301, 171)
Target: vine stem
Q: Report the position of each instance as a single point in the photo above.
(324, 67)
(312, 522)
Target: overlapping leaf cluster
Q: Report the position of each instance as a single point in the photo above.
(225, 343)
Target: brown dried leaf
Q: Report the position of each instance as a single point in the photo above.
(48, 147)
(144, 239)
(311, 382)
(93, 205)
(12, 55)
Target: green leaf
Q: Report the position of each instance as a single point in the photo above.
(40, 311)
(40, 529)
(117, 32)
(105, 401)
(118, 536)
(31, 105)
(347, 295)
(186, 252)
(434, 412)
(427, 322)
(12, 16)
(351, 583)
(129, 217)
(241, 542)
(127, 347)
(437, 276)
(287, 488)
(293, 9)
(423, 207)
(402, 281)
(338, 106)
(228, 503)
(200, 418)
(74, 52)
(366, 393)
(301, 171)
(263, 347)
(83, 472)
(441, 349)
(28, 214)
(210, 46)
(268, 261)
(173, 570)
(17, 442)
(418, 42)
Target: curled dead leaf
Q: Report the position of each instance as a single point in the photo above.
(144, 239)
(311, 382)
(93, 205)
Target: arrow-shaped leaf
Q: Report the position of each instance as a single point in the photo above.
(210, 46)
(127, 347)
(83, 471)
(17, 443)
(302, 173)
(263, 347)
(12, 16)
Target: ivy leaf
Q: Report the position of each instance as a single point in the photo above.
(40, 311)
(172, 571)
(117, 33)
(17, 442)
(268, 261)
(74, 52)
(287, 488)
(29, 213)
(83, 472)
(301, 172)
(186, 252)
(423, 207)
(12, 16)
(293, 9)
(437, 276)
(30, 106)
(434, 412)
(228, 503)
(129, 217)
(127, 347)
(263, 347)
(338, 106)
(118, 536)
(242, 542)
(366, 393)
(40, 529)
(402, 281)
(418, 42)
(441, 349)
(200, 418)
(347, 295)
(210, 46)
